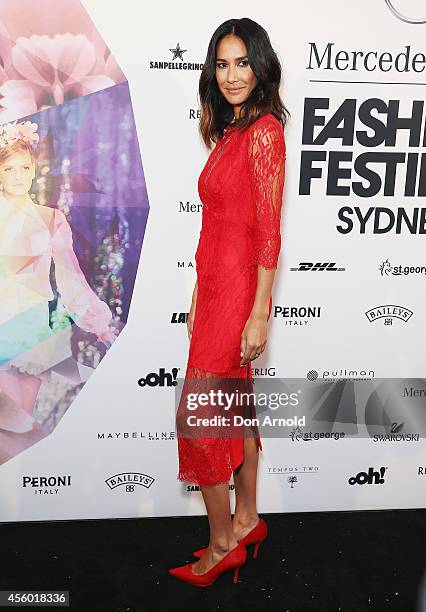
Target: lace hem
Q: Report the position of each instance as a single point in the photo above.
(206, 460)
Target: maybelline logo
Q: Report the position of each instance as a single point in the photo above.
(309, 266)
(177, 54)
(297, 315)
(396, 435)
(389, 312)
(129, 480)
(327, 57)
(292, 472)
(386, 269)
(46, 485)
(185, 264)
(136, 435)
(341, 374)
(371, 477)
(160, 378)
(416, 18)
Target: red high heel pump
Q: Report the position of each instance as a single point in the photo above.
(233, 560)
(255, 536)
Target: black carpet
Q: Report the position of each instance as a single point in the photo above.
(325, 561)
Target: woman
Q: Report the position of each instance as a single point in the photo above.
(30, 237)
(241, 187)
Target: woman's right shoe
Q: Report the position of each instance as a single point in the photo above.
(255, 536)
(231, 561)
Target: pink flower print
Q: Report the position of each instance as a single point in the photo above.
(53, 70)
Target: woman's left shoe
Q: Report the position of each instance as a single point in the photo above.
(233, 560)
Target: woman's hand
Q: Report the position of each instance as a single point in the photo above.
(191, 315)
(253, 338)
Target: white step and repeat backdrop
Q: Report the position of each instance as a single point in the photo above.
(354, 206)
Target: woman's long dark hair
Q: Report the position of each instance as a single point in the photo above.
(216, 111)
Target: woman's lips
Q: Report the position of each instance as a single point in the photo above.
(234, 91)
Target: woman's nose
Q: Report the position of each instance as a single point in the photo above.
(232, 74)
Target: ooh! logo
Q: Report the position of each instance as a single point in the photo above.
(162, 379)
(394, 10)
(370, 477)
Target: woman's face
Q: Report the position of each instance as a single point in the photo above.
(234, 76)
(17, 174)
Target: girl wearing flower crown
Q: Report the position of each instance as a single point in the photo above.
(31, 236)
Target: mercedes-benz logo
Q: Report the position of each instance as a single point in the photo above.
(405, 18)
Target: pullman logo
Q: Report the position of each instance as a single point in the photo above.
(370, 477)
(162, 379)
(177, 53)
(308, 266)
(129, 480)
(389, 312)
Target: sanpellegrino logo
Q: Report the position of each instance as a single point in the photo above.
(371, 477)
(129, 479)
(177, 53)
(195, 488)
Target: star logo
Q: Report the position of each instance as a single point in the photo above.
(178, 52)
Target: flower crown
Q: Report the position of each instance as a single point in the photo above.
(12, 132)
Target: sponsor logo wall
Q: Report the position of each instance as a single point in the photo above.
(348, 300)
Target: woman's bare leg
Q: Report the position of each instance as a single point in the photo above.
(245, 479)
(222, 538)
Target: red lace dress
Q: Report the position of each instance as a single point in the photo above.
(241, 187)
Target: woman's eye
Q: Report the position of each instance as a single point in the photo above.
(26, 167)
(243, 62)
(7, 169)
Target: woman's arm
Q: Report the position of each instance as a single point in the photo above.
(266, 162)
(87, 310)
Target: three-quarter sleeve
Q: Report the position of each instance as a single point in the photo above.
(266, 164)
(86, 309)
